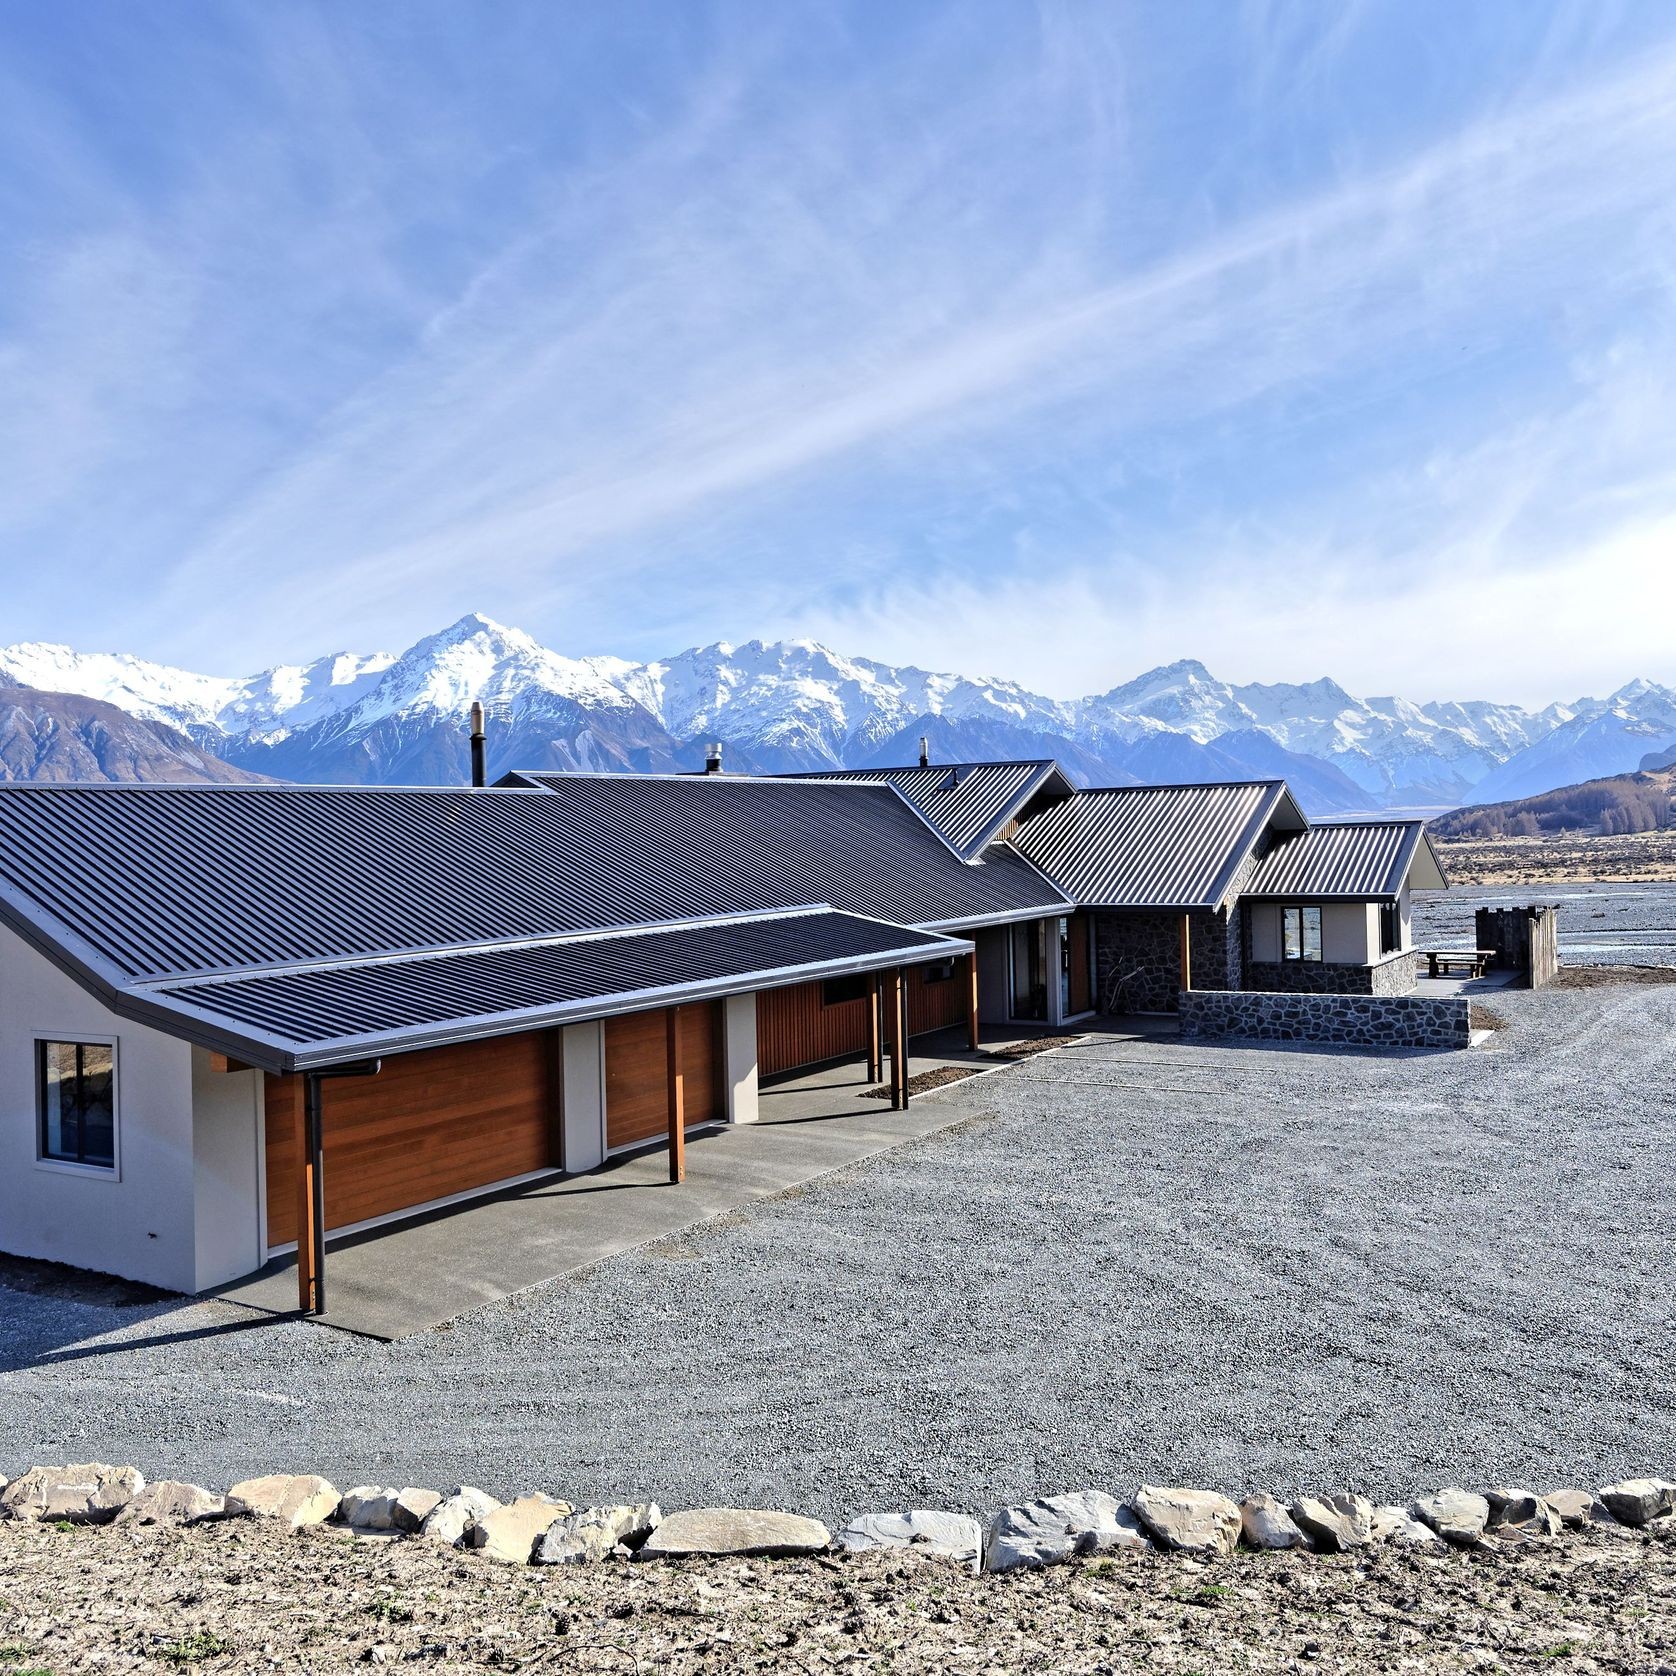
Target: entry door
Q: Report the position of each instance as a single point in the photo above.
(1029, 966)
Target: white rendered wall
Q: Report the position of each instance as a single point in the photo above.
(1349, 932)
(739, 1039)
(137, 1221)
(1345, 938)
(584, 1096)
(227, 1171)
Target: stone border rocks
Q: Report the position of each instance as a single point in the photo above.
(538, 1529)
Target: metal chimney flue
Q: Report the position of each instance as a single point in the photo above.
(924, 751)
(713, 757)
(479, 740)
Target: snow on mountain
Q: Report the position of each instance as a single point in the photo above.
(1600, 738)
(786, 705)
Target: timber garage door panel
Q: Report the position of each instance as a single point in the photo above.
(429, 1125)
(637, 1072)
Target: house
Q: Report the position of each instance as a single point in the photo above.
(235, 1019)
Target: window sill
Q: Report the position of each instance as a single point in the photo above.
(88, 1172)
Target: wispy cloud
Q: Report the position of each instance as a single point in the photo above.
(864, 332)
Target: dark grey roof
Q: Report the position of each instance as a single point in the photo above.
(746, 844)
(1353, 859)
(158, 881)
(969, 803)
(1175, 847)
(314, 1015)
(143, 891)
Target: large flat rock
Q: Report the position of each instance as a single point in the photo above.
(295, 1499)
(1056, 1528)
(90, 1494)
(1189, 1521)
(735, 1530)
(950, 1536)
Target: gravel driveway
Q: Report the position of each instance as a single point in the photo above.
(1234, 1267)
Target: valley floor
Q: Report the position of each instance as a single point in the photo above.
(1570, 858)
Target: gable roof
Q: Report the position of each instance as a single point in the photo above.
(749, 843)
(1163, 847)
(144, 892)
(969, 803)
(1358, 860)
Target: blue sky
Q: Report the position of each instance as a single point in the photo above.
(1044, 341)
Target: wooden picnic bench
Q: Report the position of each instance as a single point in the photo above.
(1474, 962)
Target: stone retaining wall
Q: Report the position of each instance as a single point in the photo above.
(1394, 975)
(1396, 1021)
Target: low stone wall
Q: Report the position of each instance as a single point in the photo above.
(1397, 1021)
(1393, 975)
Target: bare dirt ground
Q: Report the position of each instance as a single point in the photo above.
(1600, 977)
(242, 1596)
(1569, 858)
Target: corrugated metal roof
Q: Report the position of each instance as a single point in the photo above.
(769, 842)
(154, 881)
(1358, 859)
(969, 803)
(1151, 846)
(312, 1015)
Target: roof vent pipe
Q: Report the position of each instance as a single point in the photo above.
(713, 757)
(924, 751)
(479, 769)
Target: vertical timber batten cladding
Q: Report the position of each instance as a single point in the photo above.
(431, 1124)
(810, 1023)
(1080, 989)
(637, 1072)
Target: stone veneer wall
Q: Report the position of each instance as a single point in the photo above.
(1151, 943)
(1413, 1021)
(1392, 976)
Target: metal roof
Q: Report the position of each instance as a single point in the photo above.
(302, 1016)
(969, 803)
(1176, 847)
(750, 843)
(154, 881)
(1352, 859)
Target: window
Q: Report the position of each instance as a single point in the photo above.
(939, 971)
(1390, 928)
(836, 992)
(76, 1083)
(1300, 933)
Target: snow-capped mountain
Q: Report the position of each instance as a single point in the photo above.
(786, 705)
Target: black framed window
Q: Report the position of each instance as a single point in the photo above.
(940, 971)
(76, 1084)
(838, 992)
(1390, 928)
(1300, 933)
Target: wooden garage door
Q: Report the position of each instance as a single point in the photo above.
(429, 1125)
(637, 1072)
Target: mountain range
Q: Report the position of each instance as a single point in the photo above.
(782, 706)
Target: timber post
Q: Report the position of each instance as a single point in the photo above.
(875, 1031)
(305, 1099)
(896, 995)
(677, 1097)
(972, 1001)
(1186, 953)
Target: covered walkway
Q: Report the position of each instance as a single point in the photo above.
(404, 1278)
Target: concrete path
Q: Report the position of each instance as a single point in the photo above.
(397, 1280)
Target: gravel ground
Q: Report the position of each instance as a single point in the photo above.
(239, 1597)
(1599, 924)
(1233, 1267)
